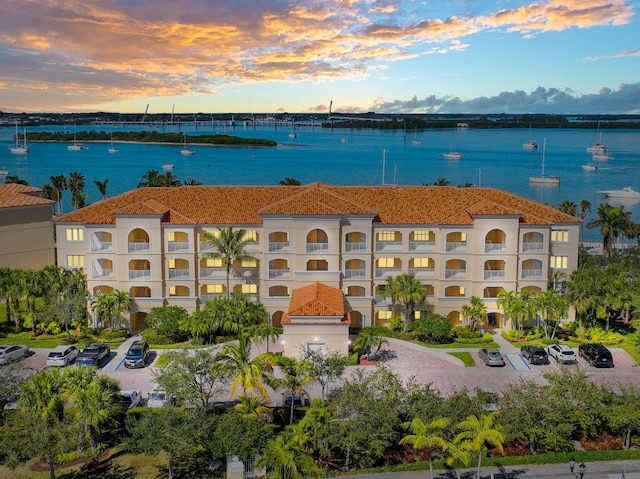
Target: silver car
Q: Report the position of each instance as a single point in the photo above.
(491, 357)
(12, 352)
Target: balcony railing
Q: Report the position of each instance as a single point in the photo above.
(213, 273)
(101, 245)
(279, 273)
(139, 273)
(456, 246)
(384, 272)
(388, 245)
(136, 247)
(422, 272)
(317, 247)
(493, 275)
(355, 273)
(495, 247)
(206, 247)
(279, 246)
(245, 272)
(351, 246)
(178, 273)
(422, 245)
(532, 247)
(207, 297)
(102, 273)
(455, 273)
(531, 274)
(178, 246)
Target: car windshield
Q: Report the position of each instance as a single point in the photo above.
(135, 353)
(125, 400)
(494, 354)
(567, 353)
(158, 396)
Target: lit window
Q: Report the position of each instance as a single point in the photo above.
(463, 237)
(172, 236)
(560, 236)
(172, 263)
(558, 262)
(420, 262)
(213, 289)
(249, 263)
(213, 262)
(75, 261)
(422, 235)
(74, 234)
(386, 262)
(250, 288)
(386, 235)
(417, 314)
(384, 314)
(212, 233)
(251, 235)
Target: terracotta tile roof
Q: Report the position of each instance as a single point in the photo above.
(13, 195)
(244, 205)
(316, 300)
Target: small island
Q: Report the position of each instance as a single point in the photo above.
(148, 137)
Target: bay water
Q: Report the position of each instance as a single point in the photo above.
(491, 158)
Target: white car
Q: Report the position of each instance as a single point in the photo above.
(130, 398)
(12, 352)
(62, 355)
(158, 397)
(562, 353)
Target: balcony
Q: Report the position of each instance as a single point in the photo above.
(206, 247)
(212, 273)
(207, 297)
(422, 272)
(101, 245)
(531, 274)
(457, 246)
(422, 245)
(532, 247)
(353, 246)
(494, 275)
(317, 247)
(385, 272)
(495, 247)
(455, 274)
(175, 273)
(247, 273)
(138, 247)
(102, 273)
(353, 273)
(279, 273)
(388, 245)
(135, 274)
(275, 246)
(177, 246)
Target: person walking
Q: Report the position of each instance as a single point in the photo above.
(572, 464)
(582, 468)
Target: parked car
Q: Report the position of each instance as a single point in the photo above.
(158, 397)
(62, 356)
(491, 357)
(596, 355)
(562, 353)
(94, 354)
(130, 398)
(534, 354)
(137, 355)
(12, 352)
(297, 399)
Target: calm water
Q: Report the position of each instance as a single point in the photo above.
(491, 158)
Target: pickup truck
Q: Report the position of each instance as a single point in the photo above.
(94, 354)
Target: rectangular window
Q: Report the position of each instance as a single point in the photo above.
(210, 233)
(74, 234)
(463, 237)
(560, 236)
(422, 235)
(213, 262)
(75, 261)
(213, 289)
(249, 263)
(250, 288)
(251, 235)
(384, 314)
(558, 262)
(420, 262)
(386, 235)
(386, 262)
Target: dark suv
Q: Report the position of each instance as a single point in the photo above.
(137, 355)
(596, 355)
(534, 354)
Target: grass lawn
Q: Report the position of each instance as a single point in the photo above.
(465, 357)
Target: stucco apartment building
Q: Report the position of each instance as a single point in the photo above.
(26, 229)
(458, 242)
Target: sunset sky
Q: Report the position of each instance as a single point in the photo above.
(259, 56)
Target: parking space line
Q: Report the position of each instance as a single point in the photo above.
(119, 364)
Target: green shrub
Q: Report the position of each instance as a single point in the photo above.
(485, 338)
(466, 332)
(151, 336)
(548, 341)
(433, 328)
(113, 335)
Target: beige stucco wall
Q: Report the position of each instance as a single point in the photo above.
(333, 337)
(26, 237)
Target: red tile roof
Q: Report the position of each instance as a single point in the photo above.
(13, 195)
(316, 300)
(245, 205)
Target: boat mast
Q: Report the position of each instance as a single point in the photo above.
(384, 159)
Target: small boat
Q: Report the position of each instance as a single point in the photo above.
(4, 171)
(112, 149)
(415, 140)
(77, 146)
(542, 179)
(185, 150)
(167, 167)
(589, 167)
(597, 147)
(626, 192)
(293, 133)
(20, 149)
(603, 156)
(452, 155)
(345, 140)
(530, 145)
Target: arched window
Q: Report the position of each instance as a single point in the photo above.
(355, 268)
(317, 241)
(139, 269)
(355, 291)
(279, 290)
(454, 291)
(317, 265)
(139, 241)
(102, 268)
(179, 291)
(355, 241)
(495, 242)
(101, 241)
(455, 269)
(140, 292)
(532, 242)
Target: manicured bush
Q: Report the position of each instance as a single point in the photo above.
(113, 335)
(152, 336)
(433, 328)
(466, 332)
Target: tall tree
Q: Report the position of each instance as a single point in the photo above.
(369, 337)
(568, 207)
(407, 291)
(612, 221)
(295, 377)
(15, 179)
(477, 433)
(284, 460)
(59, 183)
(475, 312)
(102, 187)
(426, 437)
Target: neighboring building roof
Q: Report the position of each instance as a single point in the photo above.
(13, 195)
(316, 300)
(245, 205)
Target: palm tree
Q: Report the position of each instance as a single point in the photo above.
(475, 312)
(59, 184)
(612, 220)
(288, 181)
(568, 207)
(585, 208)
(284, 460)
(441, 182)
(296, 377)
(369, 338)
(229, 245)
(15, 179)
(150, 179)
(477, 433)
(102, 187)
(111, 305)
(252, 407)
(75, 182)
(425, 437)
(457, 456)
(406, 290)
(49, 192)
(264, 332)
(191, 182)
(507, 300)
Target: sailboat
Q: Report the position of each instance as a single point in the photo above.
(4, 171)
(185, 150)
(530, 144)
(76, 146)
(112, 149)
(452, 155)
(549, 180)
(20, 149)
(293, 133)
(597, 147)
(415, 140)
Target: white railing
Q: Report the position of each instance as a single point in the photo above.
(212, 273)
(531, 273)
(355, 273)
(422, 245)
(317, 247)
(136, 247)
(532, 247)
(178, 273)
(139, 273)
(279, 273)
(178, 245)
(355, 246)
(101, 245)
(422, 272)
(455, 273)
(205, 246)
(459, 246)
(493, 274)
(245, 272)
(383, 272)
(388, 245)
(495, 247)
(207, 297)
(279, 246)
(102, 273)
